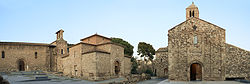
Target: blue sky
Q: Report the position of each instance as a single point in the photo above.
(133, 20)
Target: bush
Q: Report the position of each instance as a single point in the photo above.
(148, 71)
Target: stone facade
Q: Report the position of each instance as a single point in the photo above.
(161, 63)
(17, 56)
(197, 50)
(94, 58)
(96, 61)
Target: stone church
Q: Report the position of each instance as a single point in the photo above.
(94, 58)
(197, 50)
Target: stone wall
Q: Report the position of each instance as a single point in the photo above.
(237, 62)
(103, 67)
(127, 65)
(15, 52)
(88, 66)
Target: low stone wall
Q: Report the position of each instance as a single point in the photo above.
(3, 81)
(136, 78)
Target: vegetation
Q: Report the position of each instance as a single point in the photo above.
(149, 71)
(134, 66)
(146, 50)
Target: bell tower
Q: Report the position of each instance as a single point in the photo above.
(59, 34)
(192, 11)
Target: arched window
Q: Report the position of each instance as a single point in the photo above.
(3, 54)
(35, 55)
(195, 39)
(61, 51)
(68, 50)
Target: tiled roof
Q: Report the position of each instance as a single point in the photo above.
(25, 43)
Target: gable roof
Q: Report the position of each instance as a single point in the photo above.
(95, 35)
(197, 19)
(192, 6)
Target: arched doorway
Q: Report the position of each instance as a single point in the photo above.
(21, 65)
(195, 72)
(165, 71)
(117, 67)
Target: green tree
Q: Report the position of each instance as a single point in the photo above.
(146, 50)
(128, 48)
(134, 66)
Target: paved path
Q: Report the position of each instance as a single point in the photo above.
(152, 81)
(162, 81)
(20, 78)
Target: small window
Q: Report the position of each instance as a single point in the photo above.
(3, 54)
(194, 27)
(74, 54)
(61, 51)
(35, 55)
(68, 50)
(195, 40)
(161, 60)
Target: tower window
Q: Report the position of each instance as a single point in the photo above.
(3, 54)
(193, 14)
(61, 51)
(195, 40)
(35, 55)
(190, 14)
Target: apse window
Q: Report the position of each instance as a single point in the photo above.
(61, 51)
(3, 54)
(35, 55)
(195, 40)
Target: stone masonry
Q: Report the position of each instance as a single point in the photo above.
(94, 58)
(197, 50)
